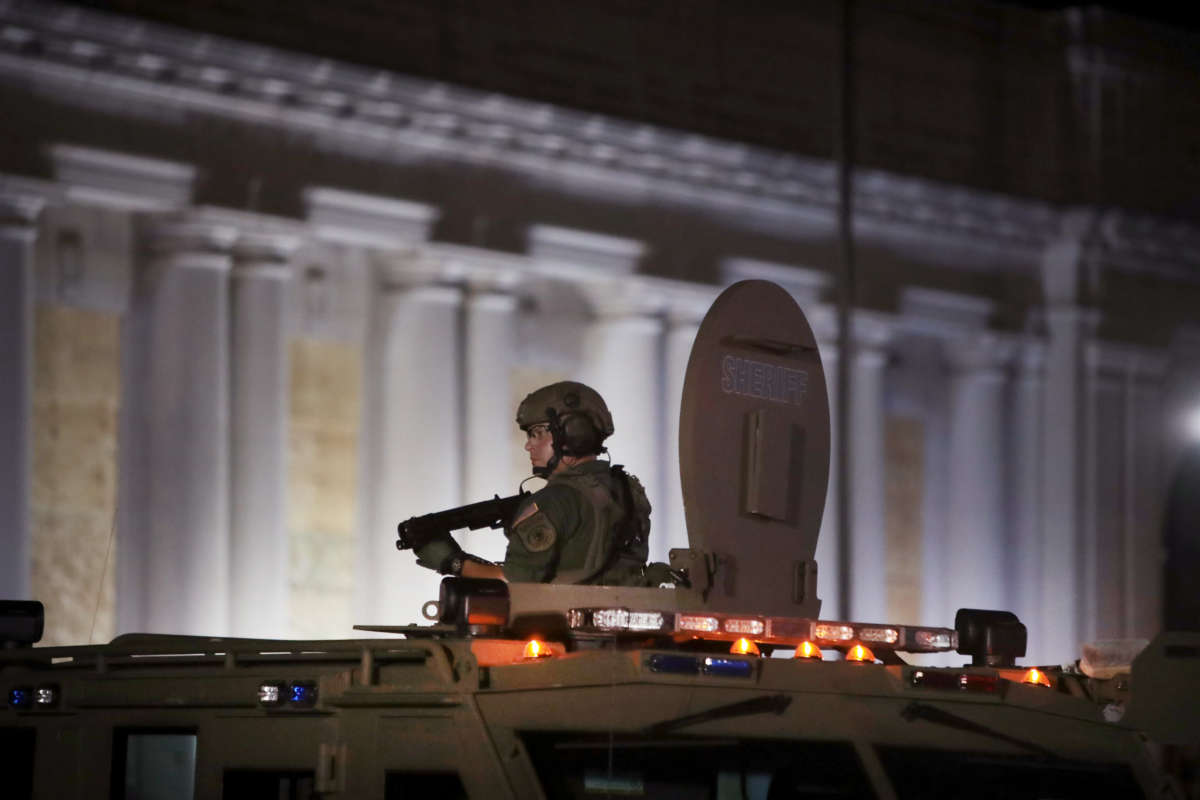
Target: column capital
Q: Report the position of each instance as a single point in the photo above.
(178, 235)
(1066, 317)
(943, 314)
(583, 250)
(264, 255)
(1030, 358)
(804, 284)
(984, 354)
(683, 303)
(629, 299)
(872, 332)
(19, 212)
(366, 219)
(108, 178)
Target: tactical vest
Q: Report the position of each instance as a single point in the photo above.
(619, 545)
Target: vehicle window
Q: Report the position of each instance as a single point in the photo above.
(920, 773)
(268, 784)
(442, 785)
(17, 747)
(154, 764)
(680, 768)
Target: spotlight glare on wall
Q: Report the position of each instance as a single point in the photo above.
(1192, 425)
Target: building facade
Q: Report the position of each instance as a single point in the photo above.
(261, 306)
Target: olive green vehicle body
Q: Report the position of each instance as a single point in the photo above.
(459, 708)
(474, 710)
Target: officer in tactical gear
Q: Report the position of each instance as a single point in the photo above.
(590, 524)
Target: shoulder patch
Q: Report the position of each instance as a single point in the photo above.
(536, 532)
(525, 514)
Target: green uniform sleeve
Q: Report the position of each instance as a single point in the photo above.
(535, 543)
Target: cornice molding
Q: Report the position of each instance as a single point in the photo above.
(405, 118)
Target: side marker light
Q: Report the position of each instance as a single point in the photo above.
(535, 648)
(744, 647)
(727, 667)
(46, 696)
(860, 654)
(808, 650)
(1036, 677)
(272, 694)
(20, 697)
(303, 694)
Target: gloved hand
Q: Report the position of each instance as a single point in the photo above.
(656, 573)
(438, 555)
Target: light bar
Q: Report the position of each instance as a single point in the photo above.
(787, 631)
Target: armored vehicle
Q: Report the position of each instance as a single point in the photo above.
(726, 685)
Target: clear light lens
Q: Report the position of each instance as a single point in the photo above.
(752, 627)
(576, 618)
(807, 649)
(833, 632)
(936, 640)
(860, 654)
(46, 696)
(692, 622)
(880, 635)
(270, 694)
(1036, 677)
(744, 647)
(611, 619)
(645, 621)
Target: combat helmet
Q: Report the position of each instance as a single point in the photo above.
(578, 417)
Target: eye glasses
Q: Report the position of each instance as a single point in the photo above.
(537, 431)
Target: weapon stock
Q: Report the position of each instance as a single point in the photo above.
(416, 532)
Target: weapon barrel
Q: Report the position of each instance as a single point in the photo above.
(494, 513)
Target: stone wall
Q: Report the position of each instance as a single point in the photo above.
(326, 395)
(904, 451)
(75, 401)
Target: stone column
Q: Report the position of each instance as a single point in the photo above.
(18, 233)
(412, 436)
(624, 362)
(259, 441)
(176, 425)
(491, 340)
(1147, 455)
(868, 539)
(1068, 327)
(670, 524)
(1025, 489)
(975, 544)
(828, 554)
